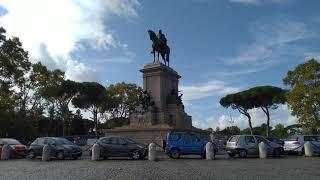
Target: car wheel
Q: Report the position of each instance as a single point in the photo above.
(31, 154)
(301, 153)
(175, 154)
(203, 155)
(104, 157)
(276, 153)
(231, 154)
(135, 155)
(60, 155)
(243, 153)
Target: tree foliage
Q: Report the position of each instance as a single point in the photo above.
(229, 131)
(240, 101)
(266, 98)
(123, 98)
(116, 122)
(91, 97)
(33, 99)
(279, 131)
(304, 94)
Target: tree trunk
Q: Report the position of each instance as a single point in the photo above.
(268, 122)
(266, 111)
(95, 121)
(65, 116)
(250, 124)
(245, 112)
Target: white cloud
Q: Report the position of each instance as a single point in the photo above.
(127, 58)
(122, 59)
(240, 72)
(310, 55)
(51, 29)
(271, 40)
(280, 115)
(211, 88)
(258, 2)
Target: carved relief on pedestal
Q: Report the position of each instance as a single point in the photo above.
(160, 103)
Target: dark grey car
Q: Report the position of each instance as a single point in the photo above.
(114, 146)
(61, 148)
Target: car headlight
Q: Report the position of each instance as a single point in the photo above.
(140, 146)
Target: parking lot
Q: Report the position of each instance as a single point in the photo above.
(188, 167)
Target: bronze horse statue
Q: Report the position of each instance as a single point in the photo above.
(160, 47)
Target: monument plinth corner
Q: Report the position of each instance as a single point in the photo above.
(167, 112)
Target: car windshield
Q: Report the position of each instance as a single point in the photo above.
(312, 138)
(174, 137)
(61, 141)
(233, 139)
(292, 138)
(272, 139)
(11, 141)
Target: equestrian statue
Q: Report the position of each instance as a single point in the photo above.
(159, 45)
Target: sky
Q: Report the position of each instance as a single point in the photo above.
(217, 46)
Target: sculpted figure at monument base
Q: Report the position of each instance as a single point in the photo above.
(161, 109)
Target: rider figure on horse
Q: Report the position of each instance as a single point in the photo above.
(162, 38)
(159, 46)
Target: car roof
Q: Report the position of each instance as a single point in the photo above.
(112, 137)
(55, 138)
(7, 139)
(302, 135)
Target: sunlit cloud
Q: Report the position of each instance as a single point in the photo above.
(50, 30)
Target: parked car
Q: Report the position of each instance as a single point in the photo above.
(116, 146)
(186, 143)
(91, 141)
(243, 145)
(61, 148)
(17, 149)
(275, 140)
(296, 143)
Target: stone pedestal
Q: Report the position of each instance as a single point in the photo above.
(160, 81)
(167, 113)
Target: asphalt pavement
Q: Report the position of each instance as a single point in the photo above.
(188, 167)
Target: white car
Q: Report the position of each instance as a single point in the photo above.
(296, 143)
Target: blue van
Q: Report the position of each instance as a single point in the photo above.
(185, 143)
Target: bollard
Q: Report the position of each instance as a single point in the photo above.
(5, 155)
(209, 151)
(263, 153)
(152, 153)
(95, 152)
(308, 149)
(46, 153)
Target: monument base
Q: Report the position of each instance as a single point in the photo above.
(151, 123)
(141, 135)
(146, 135)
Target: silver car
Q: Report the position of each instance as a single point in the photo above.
(243, 145)
(296, 143)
